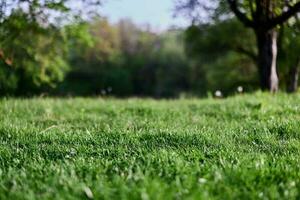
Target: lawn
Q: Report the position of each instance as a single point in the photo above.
(243, 147)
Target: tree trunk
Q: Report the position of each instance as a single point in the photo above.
(266, 60)
(292, 82)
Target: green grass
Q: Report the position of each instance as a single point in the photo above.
(244, 147)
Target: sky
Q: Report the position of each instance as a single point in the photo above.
(157, 13)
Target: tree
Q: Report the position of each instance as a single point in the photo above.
(35, 58)
(263, 16)
(33, 42)
(225, 60)
(126, 60)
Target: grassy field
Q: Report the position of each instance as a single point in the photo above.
(243, 147)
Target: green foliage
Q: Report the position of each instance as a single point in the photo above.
(36, 54)
(33, 44)
(45, 53)
(135, 149)
(225, 60)
(125, 60)
(260, 16)
(8, 79)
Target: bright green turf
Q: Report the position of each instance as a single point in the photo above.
(245, 147)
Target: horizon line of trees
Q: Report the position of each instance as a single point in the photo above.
(94, 57)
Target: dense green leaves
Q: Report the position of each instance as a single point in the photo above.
(34, 44)
(225, 58)
(125, 60)
(36, 54)
(214, 40)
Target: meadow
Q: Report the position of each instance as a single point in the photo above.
(242, 147)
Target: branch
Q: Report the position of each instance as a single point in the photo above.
(246, 52)
(284, 16)
(240, 15)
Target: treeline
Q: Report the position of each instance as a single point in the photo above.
(96, 57)
(124, 60)
(91, 58)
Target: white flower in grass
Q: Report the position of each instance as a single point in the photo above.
(240, 89)
(202, 180)
(218, 94)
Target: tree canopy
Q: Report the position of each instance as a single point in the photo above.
(263, 17)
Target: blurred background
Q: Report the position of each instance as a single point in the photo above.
(124, 48)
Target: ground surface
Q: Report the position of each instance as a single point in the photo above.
(245, 147)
